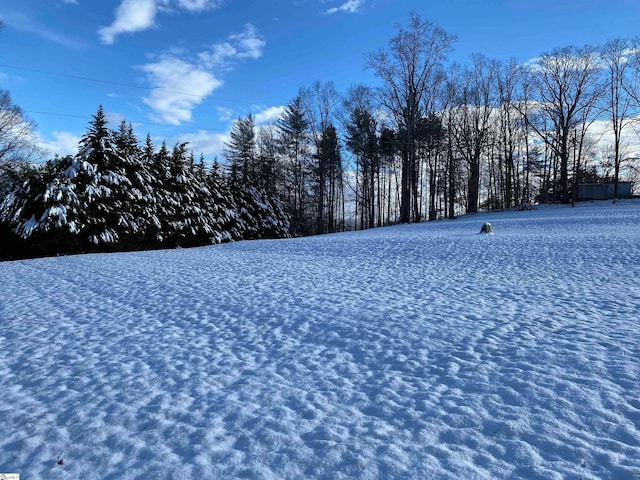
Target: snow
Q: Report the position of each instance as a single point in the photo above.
(415, 351)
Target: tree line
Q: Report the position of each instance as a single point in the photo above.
(115, 195)
(438, 139)
(435, 139)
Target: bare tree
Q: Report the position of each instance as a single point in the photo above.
(320, 103)
(409, 69)
(564, 85)
(448, 115)
(618, 105)
(511, 134)
(473, 128)
(16, 142)
(361, 127)
(633, 81)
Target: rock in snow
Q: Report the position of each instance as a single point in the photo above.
(486, 228)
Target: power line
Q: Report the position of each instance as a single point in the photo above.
(57, 114)
(110, 82)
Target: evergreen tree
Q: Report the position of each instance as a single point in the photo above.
(148, 152)
(222, 206)
(163, 205)
(258, 215)
(329, 181)
(268, 159)
(362, 141)
(134, 200)
(190, 221)
(62, 219)
(294, 135)
(96, 145)
(114, 195)
(154, 167)
(23, 207)
(94, 174)
(240, 151)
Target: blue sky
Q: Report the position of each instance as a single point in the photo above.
(183, 70)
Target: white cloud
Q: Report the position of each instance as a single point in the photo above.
(131, 16)
(224, 114)
(602, 132)
(217, 55)
(179, 84)
(268, 115)
(114, 119)
(247, 44)
(172, 78)
(72, 2)
(139, 15)
(63, 143)
(351, 6)
(207, 143)
(199, 5)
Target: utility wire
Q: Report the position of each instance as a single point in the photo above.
(57, 114)
(110, 82)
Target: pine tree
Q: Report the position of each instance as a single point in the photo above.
(294, 134)
(25, 205)
(222, 206)
(114, 195)
(258, 215)
(162, 200)
(93, 175)
(96, 145)
(154, 202)
(148, 151)
(269, 168)
(190, 221)
(134, 200)
(240, 150)
(362, 141)
(329, 181)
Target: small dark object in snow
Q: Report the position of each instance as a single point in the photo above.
(486, 228)
(60, 461)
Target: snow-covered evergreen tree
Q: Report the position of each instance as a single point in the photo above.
(22, 207)
(258, 215)
(189, 221)
(240, 150)
(135, 199)
(114, 195)
(222, 206)
(98, 179)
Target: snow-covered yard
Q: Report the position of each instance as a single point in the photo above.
(416, 351)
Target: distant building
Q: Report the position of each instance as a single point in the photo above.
(603, 191)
